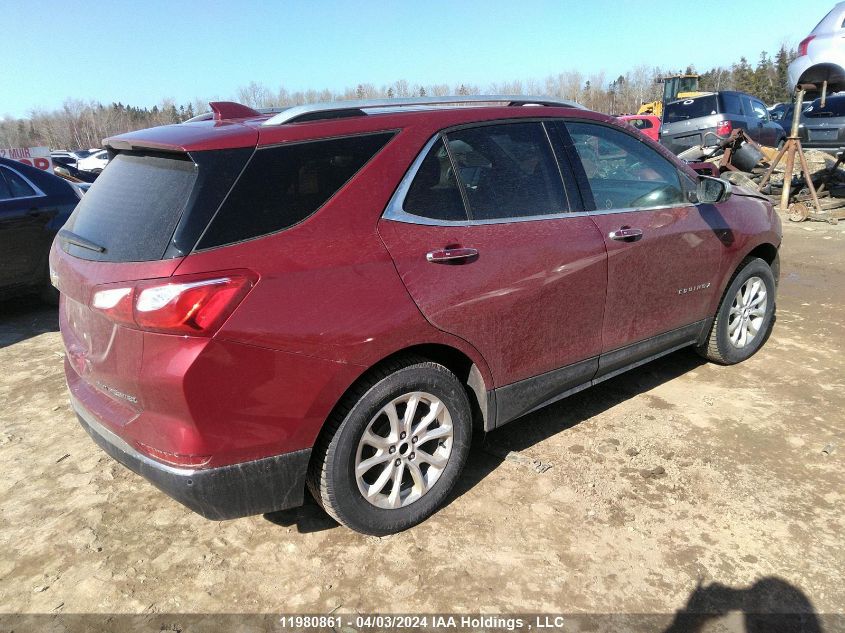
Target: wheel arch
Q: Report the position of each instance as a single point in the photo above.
(831, 72)
(766, 251)
(473, 374)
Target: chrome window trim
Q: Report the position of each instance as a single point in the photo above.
(395, 211)
(36, 188)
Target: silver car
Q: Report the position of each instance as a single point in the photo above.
(821, 55)
(708, 118)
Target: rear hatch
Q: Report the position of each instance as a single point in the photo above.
(686, 122)
(824, 126)
(138, 221)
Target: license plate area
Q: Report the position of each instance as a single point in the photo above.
(823, 135)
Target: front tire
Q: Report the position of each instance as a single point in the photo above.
(394, 448)
(745, 316)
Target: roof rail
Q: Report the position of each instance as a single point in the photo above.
(333, 109)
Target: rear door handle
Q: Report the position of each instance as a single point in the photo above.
(448, 255)
(626, 235)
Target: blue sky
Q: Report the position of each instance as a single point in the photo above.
(141, 52)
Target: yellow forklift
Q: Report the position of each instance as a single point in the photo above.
(674, 87)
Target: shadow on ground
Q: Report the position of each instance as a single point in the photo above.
(25, 317)
(307, 518)
(491, 449)
(770, 605)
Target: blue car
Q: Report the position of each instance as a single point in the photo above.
(34, 204)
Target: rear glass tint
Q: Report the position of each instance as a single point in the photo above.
(434, 192)
(133, 208)
(690, 109)
(5, 192)
(283, 185)
(730, 103)
(834, 107)
(17, 185)
(507, 171)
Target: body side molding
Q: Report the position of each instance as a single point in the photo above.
(520, 398)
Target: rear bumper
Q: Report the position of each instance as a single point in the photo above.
(225, 492)
(832, 147)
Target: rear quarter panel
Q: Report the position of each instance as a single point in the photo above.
(328, 287)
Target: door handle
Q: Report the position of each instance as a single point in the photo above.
(449, 255)
(626, 234)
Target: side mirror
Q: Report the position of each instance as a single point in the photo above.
(712, 190)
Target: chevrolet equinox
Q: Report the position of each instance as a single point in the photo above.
(333, 296)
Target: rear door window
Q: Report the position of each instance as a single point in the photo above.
(283, 185)
(624, 172)
(18, 187)
(507, 171)
(434, 191)
(747, 107)
(5, 192)
(690, 109)
(759, 110)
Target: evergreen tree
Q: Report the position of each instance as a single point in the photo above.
(781, 79)
(764, 78)
(743, 76)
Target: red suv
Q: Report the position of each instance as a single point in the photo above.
(334, 295)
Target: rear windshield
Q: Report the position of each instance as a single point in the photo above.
(835, 106)
(153, 206)
(133, 208)
(690, 109)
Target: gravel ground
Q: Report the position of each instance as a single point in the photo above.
(678, 484)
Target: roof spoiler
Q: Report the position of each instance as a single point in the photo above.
(231, 110)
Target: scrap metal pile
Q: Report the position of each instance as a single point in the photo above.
(742, 161)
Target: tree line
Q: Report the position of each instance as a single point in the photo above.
(82, 124)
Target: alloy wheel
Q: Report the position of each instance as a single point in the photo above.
(748, 312)
(404, 450)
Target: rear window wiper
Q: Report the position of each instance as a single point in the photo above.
(77, 240)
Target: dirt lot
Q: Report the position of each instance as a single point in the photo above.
(623, 498)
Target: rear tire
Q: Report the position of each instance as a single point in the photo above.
(393, 478)
(745, 316)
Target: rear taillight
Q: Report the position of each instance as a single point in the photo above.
(802, 47)
(194, 305)
(724, 128)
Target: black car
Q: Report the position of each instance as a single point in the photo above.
(34, 205)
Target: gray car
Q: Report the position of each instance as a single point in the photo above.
(824, 127)
(703, 120)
